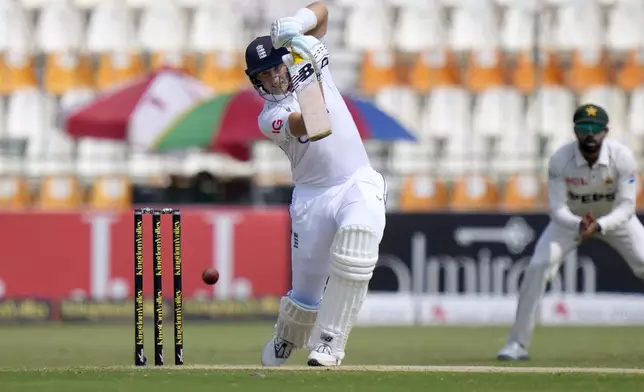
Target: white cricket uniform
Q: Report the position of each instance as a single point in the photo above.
(334, 187)
(607, 189)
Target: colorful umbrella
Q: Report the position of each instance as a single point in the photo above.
(230, 120)
(143, 111)
(225, 120)
(375, 124)
(169, 111)
(116, 115)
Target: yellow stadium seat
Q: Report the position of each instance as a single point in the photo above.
(111, 193)
(523, 192)
(524, 74)
(474, 192)
(14, 193)
(179, 61)
(18, 71)
(60, 193)
(631, 74)
(423, 194)
(272, 179)
(640, 194)
(433, 68)
(5, 85)
(116, 68)
(486, 69)
(67, 71)
(378, 71)
(223, 72)
(588, 68)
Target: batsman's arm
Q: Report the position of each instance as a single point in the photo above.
(280, 125)
(626, 195)
(557, 197)
(321, 13)
(296, 124)
(311, 21)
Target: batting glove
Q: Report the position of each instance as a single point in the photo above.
(283, 30)
(310, 48)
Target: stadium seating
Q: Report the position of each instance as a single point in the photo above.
(60, 193)
(423, 193)
(474, 193)
(14, 193)
(523, 192)
(110, 192)
(487, 86)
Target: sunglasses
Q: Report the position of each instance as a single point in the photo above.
(590, 128)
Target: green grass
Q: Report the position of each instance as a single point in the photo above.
(98, 358)
(314, 381)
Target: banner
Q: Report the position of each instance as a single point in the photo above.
(386, 309)
(485, 254)
(442, 268)
(602, 309)
(399, 309)
(25, 310)
(218, 310)
(80, 256)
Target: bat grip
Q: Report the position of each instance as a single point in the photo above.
(311, 58)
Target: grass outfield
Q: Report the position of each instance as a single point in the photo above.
(225, 357)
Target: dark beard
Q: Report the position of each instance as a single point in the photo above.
(589, 145)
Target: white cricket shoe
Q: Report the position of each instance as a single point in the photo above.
(322, 355)
(276, 352)
(513, 351)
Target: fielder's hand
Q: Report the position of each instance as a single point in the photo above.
(283, 30)
(587, 227)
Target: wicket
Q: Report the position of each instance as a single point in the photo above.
(139, 355)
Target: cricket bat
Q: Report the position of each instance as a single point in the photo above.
(309, 94)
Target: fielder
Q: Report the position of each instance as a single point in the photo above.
(591, 193)
(338, 203)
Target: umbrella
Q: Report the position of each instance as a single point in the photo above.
(230, 120)
(374, 124)
(169, 110)
(111, 115)
(141, 112)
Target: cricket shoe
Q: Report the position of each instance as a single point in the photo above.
(276, 352)
(322, 355)
(513, 351)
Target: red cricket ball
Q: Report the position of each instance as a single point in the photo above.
(210, 276)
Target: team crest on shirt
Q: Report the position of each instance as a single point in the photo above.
(608, 180)
(576, 181)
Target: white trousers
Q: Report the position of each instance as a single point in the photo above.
(317, 214)
(553, 244)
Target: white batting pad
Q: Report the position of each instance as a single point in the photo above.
(354, 254)
(294, 322)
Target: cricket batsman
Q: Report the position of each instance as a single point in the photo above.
(338, 203)
(591, 194)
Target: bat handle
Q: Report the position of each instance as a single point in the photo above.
(316, 66)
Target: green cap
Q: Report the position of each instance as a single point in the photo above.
(590, 114)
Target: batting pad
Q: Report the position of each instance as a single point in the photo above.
(294, 322)
(354, 254)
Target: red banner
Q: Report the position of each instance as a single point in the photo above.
(91, 254)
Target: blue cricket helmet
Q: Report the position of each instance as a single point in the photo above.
(260, 56)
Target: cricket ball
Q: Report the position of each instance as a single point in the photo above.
(210, 276)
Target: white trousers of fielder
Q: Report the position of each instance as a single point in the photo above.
(553, 244)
